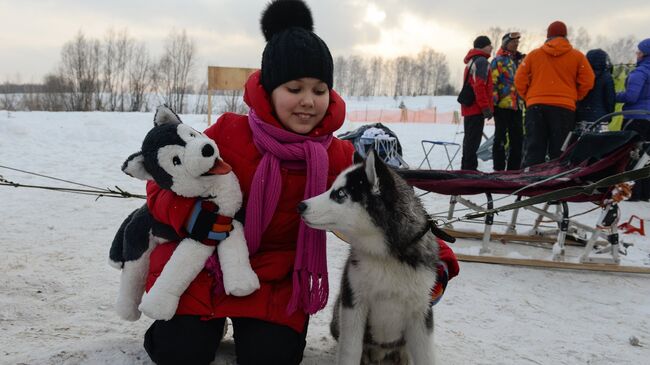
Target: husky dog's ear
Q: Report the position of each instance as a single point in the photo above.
(371, 170)
(165, 115)
(134, 167)
(357, 158)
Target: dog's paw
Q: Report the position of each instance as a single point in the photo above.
(241, 282)
(159, 305)
(127, 310)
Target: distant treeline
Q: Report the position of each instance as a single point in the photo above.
(113, 74)
(117, 73)
(425, 74)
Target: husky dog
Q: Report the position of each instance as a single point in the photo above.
(383, 312)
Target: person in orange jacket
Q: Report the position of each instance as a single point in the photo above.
(551, 79)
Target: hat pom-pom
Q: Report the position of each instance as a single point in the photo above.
(282, 14)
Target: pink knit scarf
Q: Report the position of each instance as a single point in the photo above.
(278, 146)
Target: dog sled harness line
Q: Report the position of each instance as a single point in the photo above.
(206, 225)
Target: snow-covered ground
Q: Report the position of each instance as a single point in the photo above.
(57, 290)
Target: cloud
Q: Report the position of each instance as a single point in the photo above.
(227, 31)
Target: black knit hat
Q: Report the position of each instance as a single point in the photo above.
(482, 41)
(292, 49)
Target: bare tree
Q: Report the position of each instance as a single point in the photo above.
(233, 102)
(175, 69)
(495, 34)
(80, 60)
(356, 74)
(530, 41)
(581, 39)
(139, 77)
(117, 51)
(340, 74)
(55, 90)
(9, 99)
(389, 77)
(622, 50)
(441, 76)
(375, 75)
(402, 69)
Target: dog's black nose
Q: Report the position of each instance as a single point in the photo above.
(302, 207)
(207, 151)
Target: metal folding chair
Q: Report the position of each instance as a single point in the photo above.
(428, 146)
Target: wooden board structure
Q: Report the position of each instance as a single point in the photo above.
(500, 260)
(553, 264)
(501, 237)
(225, 78)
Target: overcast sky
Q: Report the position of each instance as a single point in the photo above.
(227, 32)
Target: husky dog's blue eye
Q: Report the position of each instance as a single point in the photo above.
(176, 161)
(338, 195)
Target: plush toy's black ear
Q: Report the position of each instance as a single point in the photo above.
(165, 115)
(134, 166)
(356, 158)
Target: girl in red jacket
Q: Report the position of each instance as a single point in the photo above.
(283, 152)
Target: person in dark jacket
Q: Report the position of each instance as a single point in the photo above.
(477, 74)
(637, 97)
(602, 98)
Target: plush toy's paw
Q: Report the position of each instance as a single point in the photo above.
(127, 310)
(159, 305)
(241, 282)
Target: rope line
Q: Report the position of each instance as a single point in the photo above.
(95, 191)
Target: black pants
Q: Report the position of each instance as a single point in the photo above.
(189, 340)
(641, 189)
(507, 122)
(473, 126)
(546, 129)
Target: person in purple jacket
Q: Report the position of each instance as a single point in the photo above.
(637, 97)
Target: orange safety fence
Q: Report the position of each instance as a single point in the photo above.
(405, 116)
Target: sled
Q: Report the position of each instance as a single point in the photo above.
(380, 138)
(588, 170)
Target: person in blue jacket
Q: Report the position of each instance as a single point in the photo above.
(602, 98)
(637, 97)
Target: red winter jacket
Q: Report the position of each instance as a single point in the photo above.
(481, 80)
(273, 263)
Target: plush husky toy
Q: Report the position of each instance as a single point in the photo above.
(186, 162)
